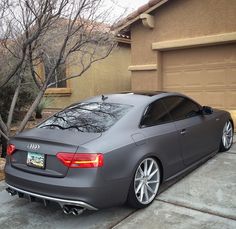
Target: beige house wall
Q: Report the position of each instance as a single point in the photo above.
(181, 19)
(186, 24)
(105, 76)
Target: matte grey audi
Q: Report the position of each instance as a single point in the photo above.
(113, 149)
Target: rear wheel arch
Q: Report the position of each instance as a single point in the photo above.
(161, 168)
(152, 155)
(232, 122)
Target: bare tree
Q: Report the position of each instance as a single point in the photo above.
(52, 33)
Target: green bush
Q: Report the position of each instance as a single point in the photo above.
(45, 102)
(27, 95)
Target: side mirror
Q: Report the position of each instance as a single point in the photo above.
(207, 110)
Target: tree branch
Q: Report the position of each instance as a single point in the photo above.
(3, 127)
(13, 104)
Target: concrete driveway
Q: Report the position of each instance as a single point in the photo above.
(206, 198)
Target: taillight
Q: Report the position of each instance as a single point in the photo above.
(81, 160)
(10, 149)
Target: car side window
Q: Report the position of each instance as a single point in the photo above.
(155, 114)
(181, 108)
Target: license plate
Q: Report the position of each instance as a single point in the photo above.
(36, 160)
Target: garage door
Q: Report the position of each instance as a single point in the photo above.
(207, 74)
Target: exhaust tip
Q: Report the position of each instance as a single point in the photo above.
(75, 210)
(66, 210)
(11, 191)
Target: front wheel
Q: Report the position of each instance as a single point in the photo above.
(227, 137)
(145, 184)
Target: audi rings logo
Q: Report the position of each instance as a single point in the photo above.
(33, 146)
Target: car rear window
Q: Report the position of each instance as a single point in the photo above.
(93, 117)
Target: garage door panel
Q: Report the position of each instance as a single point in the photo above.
(173, 80)
(207, 74)
(231, 77)
(192, 78)
(183, 79)
(197, 96)
(231, 100)
(214, 77)
(215, 99)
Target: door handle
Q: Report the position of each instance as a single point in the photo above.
(183, 132)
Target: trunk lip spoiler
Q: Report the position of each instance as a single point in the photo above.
(60, 201)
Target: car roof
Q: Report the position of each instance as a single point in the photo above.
(145, 93)
(134, 98)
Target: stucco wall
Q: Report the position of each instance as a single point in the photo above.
(184, 22)
(180, 19)
(105, 76)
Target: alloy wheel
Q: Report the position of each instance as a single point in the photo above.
(227, 137)
(146, 181)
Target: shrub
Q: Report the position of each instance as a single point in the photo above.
(27, 95)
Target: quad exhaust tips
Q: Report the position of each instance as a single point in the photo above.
(68, 206)
(70, 209)
(11, 191)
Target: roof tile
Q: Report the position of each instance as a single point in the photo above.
(137, 12)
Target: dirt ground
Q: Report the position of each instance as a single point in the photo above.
(2, 163)
(2, 175)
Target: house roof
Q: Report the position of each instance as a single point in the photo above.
(134, 16)
(96, 27)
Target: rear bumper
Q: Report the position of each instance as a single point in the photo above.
(61, 202)
(82, 188)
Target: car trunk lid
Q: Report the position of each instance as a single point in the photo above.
(36, 150)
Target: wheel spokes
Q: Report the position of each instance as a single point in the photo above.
(142, 193)
(150, 168)
(150, 189)
(224, 141)
(146, 192)
(152, 182)
(228, 125)
(146, 181)
(152, 174)
(139, 187)
(138, 179)
(228, 140)
(145, 167)
(228, 131)
(227, 135)
(141, 171)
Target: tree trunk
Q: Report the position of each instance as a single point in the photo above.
(32, 109)
(4, 147)
(3, 137)
(13, 104)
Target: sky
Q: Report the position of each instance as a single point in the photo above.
(129, 5)
(121, 8)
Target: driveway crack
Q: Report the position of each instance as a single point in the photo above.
(130, 214)
(196, 209)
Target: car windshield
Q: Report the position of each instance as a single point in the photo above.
(93, 117)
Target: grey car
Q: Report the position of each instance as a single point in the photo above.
(113, 149)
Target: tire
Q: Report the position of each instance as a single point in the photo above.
(227, 137)
(145, 184)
